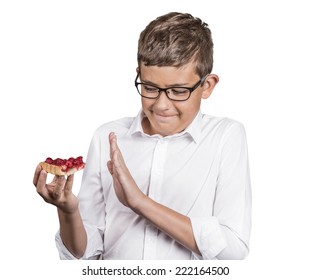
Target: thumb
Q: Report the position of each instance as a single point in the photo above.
(110, 166)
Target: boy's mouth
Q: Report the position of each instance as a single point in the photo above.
(163, 117)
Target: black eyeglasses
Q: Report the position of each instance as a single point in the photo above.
(173, 93)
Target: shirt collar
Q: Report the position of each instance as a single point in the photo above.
(193, 130)
(136, 126)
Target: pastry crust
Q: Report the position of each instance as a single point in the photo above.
(58, 169)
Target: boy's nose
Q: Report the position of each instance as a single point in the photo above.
(163, 102)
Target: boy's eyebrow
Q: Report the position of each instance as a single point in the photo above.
(168, 86)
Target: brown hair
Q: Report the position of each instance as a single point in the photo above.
(176, 39)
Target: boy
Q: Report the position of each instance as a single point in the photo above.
(171, 183)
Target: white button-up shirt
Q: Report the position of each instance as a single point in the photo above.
(201, 172)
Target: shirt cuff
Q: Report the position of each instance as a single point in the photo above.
(94, 249)
(209, 237)
(64, 253)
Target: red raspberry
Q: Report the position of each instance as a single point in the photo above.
(69, 163)
(49, 160)
(78, 161)
(59, 161)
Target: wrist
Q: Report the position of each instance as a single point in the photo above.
(67, 216)
(140, 205)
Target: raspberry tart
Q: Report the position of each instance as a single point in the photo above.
(60, 166)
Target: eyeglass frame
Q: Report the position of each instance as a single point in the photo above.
(160, 90)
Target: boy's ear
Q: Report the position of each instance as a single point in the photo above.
(137, 70)
(209, 84)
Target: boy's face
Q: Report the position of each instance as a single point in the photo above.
(167, 117)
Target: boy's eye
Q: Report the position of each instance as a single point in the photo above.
(179, 91)
(150, 88)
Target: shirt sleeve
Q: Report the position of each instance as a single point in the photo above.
(91, 205)
(226, 234)
(93, 250)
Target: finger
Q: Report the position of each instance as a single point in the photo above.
(116, 155)
(59, 186)
(113, 143)
(117, 159)
(111, 136)
(69, 183)
(110, 142)
(41, 183)
(36, 175)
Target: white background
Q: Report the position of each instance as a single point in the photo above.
(66, 67)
